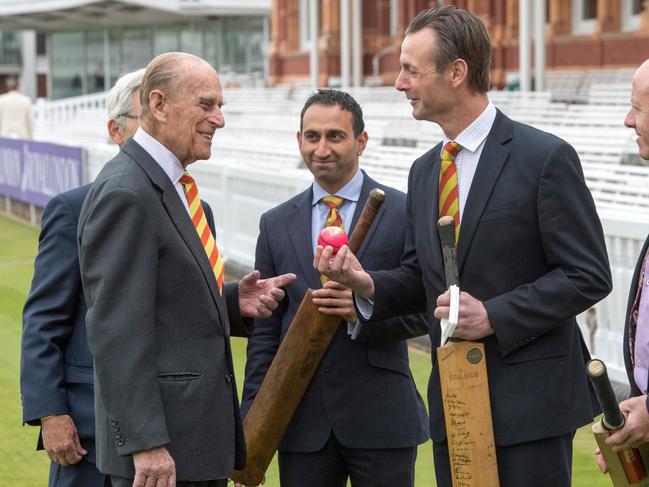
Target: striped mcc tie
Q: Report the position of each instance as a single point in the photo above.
(202, 228)
(333, 218)
(449, 202)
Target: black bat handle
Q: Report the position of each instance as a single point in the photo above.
(446, 230)
(613, 418)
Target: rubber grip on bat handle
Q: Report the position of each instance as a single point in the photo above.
(446, 230)
(371, 208)
(613, 418)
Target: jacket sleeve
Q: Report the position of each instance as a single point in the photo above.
(265, 340)
(118, 249)
(49, 314)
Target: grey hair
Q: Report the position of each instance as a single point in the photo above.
(119, 99)
(12, 83)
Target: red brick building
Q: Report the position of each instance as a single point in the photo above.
(580, 34)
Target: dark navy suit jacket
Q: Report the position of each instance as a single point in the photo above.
(363, 389)
(56, 373)
(531, 248)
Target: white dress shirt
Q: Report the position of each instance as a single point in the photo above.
(166, 159)
(472, 139)
(319, 211)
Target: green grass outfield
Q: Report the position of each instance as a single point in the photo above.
(21, 466)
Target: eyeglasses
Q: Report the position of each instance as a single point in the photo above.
(128, 115)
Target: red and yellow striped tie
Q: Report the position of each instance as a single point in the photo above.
(449, 202)
(333, 219)
(200, 223)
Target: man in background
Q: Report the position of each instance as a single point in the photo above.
(16, 117)
(56, 374)
(361, 417)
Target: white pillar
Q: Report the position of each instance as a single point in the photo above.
(313, 58)
(357, 42)
(524, 44)
(28, 74)
(106, 67)
(539, 46)
(345, 46)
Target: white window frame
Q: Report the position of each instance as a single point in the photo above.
(581, 26)
(305, 23)
(630, 22)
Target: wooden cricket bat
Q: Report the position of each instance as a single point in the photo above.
(465, 393)
(627, 468)
(292, 369)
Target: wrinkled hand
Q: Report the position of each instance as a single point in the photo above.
(472, 321)
(61, 440)
(636, 428)
(154, 467)
(335, 299)
(258, 298)
(601, 463)
(344, 268)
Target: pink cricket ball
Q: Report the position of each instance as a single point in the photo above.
(333, 236)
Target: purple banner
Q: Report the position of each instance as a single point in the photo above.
(34, 172)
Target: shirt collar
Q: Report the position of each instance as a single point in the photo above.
(351, 191)
(475, 134)
(166, 159)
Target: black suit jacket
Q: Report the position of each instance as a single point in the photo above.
(531, 248)
(157, 326)
(56, 366)
(363, 390)
(635, 390)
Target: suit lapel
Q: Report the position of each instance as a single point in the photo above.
(300, 232)
(492, 160)
(431, 203)
(178, 215)
(368, 185)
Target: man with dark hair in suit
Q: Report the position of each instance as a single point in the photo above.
(56, 372)
(635, 344)
(361, 417)
(159, 314)
(530, 251)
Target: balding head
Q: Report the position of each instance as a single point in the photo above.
(181, 104)
(638, 116)
(166, 73)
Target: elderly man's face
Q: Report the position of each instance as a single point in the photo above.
(194, 114)
(638, 116)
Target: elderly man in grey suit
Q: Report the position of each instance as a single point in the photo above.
(159, 315)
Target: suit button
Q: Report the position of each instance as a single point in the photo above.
(120, 442)
(118, 436)
(327, 368)
(115, 427)
(228, 378)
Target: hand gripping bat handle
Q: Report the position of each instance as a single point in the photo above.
(371, 208)
(446, 229)
(613, 419)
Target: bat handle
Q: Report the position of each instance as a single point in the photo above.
(371, 208)
(613, 418)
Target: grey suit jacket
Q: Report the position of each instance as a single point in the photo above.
(157, 326)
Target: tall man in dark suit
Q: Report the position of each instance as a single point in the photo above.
(531, 252)
(56, 374)
(636, 325)
(361, 417)
(159, 315)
